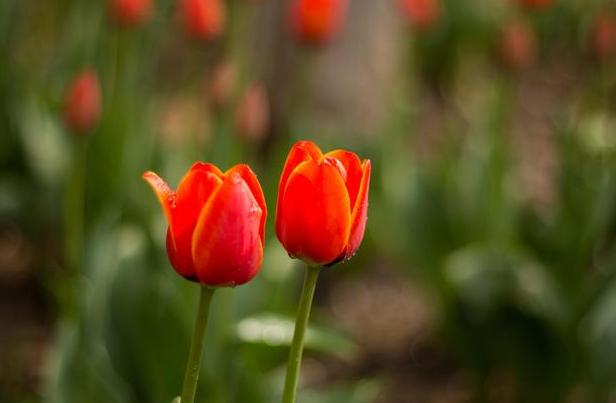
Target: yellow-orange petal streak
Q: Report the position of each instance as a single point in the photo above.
(166, 195)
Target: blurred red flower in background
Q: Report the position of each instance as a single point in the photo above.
(221, 85)
(252, 114)
(315, 22)
(322, 205)
(518, 47)
(82, 102)
(535, 4)
(603, 36)
(203, 19)
(422, 14)
(130, 13)
(216, 220)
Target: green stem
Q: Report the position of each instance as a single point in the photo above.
(196, 347)
(301, 323)
(74, 206)
(74, 222)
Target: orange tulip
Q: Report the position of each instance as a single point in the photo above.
(422, 14)
(518, 46)
(252, 114)
(216, 220)
(203, 19)
(535, 4)
(221, 85)
(315, 22)
(604, 36)
(322, 204)
(130, 13)
(82, 102)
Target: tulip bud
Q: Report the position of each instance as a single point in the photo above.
(216, 231)
(315, 22)
(517, 45)
(130, 13)
(535, 4)
(252, 114)
(82, 102)
(422, 14)
(203, 19)
(322, 205)
(603, 36)
(221, 85)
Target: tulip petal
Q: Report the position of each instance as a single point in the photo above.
(314, 214)
(226, 245)
(360, 212)
(354, 171)
(166, 195)
(300, 152)
(193, 192)
(253, 183)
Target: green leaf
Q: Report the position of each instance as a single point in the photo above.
(275, 330)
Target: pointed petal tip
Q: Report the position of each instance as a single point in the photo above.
(308, 146)
(207, 167)
(158, 184)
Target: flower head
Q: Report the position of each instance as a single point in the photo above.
(322, 205)
(221, 84)
(603, 36)
(517, 46)
(315, 22)
(252, 114)
(130, 13)
(535, 4)
(203, 19)
(82, 102)
(422, 14)
(216, 231)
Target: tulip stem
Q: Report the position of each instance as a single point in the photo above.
(301, 323)
(193, 366)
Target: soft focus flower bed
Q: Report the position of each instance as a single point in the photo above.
(484, 132)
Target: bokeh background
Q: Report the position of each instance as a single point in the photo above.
(487, 270)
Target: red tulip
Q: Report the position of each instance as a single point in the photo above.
(315, 22)
(82, 102)
(422, 14)
(130, 13)
(322, 204)
(535, 4)
(203, 19)
(518, 47)
(221, 85)
(216, 220)
(604, 36)
(252, 114)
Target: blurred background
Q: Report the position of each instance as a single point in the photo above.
(487, 273)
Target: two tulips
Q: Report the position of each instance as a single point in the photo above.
(216, 231)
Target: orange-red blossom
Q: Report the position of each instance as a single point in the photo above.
(322, 205)
(216, 221)
(130, 13)
(82, 102)
(203, 19)
(315, 22)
